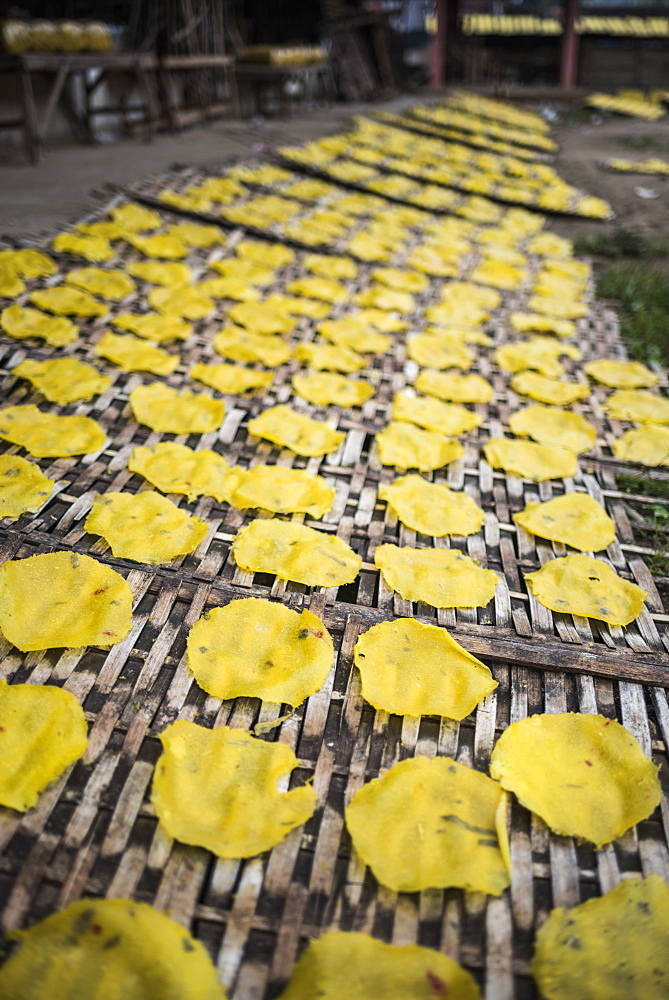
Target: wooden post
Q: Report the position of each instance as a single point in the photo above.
(439, 50)
(569, 50)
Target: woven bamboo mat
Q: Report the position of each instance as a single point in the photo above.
(93, 831)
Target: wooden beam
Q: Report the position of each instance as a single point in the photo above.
(569, 49)
(439, 44)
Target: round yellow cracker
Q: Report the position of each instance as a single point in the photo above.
(176, 468)
(118, 948)
(23, 486)
(444, 578)
(528, 460)
(585, 775)
(553, 425)
(218, 789)
(42, 731)
(290, 429)
(431, 508)
(63, 599)
(293, 551)
(575, 519)
(46, 435)
(410, 668)
(280, 490)
(145, 527)
(165, 409)
(448, 809)
(254, 648)
(613, 946)
(580, 585)
(63, 380)
(407, 447)
(359, 967)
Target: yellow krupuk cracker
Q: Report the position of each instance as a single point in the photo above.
(585, 775)
(63, 380)
(358, 967)
(117, 947)
(176, 468)
(580, 585)
(42, 731)
(575, 519)
(131, 355)
(23, 487)
(46, 435)
(448, 809)
(410, 668)
(529, 460)
(279, 489)
(255, 648)
(165, 409)
(145, 527)
(218, 789)
(431, 508)
(290, 429)
(612, 946)
(293, 551)
(407, 447)
(444, 578)
(63, 599)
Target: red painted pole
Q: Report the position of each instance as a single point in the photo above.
(569, 51)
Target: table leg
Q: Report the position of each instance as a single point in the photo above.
(30, 132)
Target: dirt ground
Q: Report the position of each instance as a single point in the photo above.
(35, 199)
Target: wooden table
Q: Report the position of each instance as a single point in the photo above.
(94, 67)
(252, 78)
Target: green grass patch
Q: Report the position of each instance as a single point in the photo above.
(641, 293)
(621, 243)
(643, 486)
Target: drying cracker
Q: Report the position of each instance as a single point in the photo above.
(585, 775)
(575, 519)
(325, 388)
(444, 578)
(621, 374)
(359, 967)
(290, 429)
(176, 468)
(407, 447)
(46, 435)
(552, 425)
(116, 947)
(448, 809)
(63, 380)
(410, 668)
(294, 552)
(612, 946)
(112, 286)
(648, 445)
(23, 487)
(454, 388)
(431, 508)
(280, 490)
(165, 409)
(63, 599)
(255, 648)
(433, 415)
(133, 355)
(529, 460)
(581, 585)
(42, 731)
(145, 527)
(218, 789)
